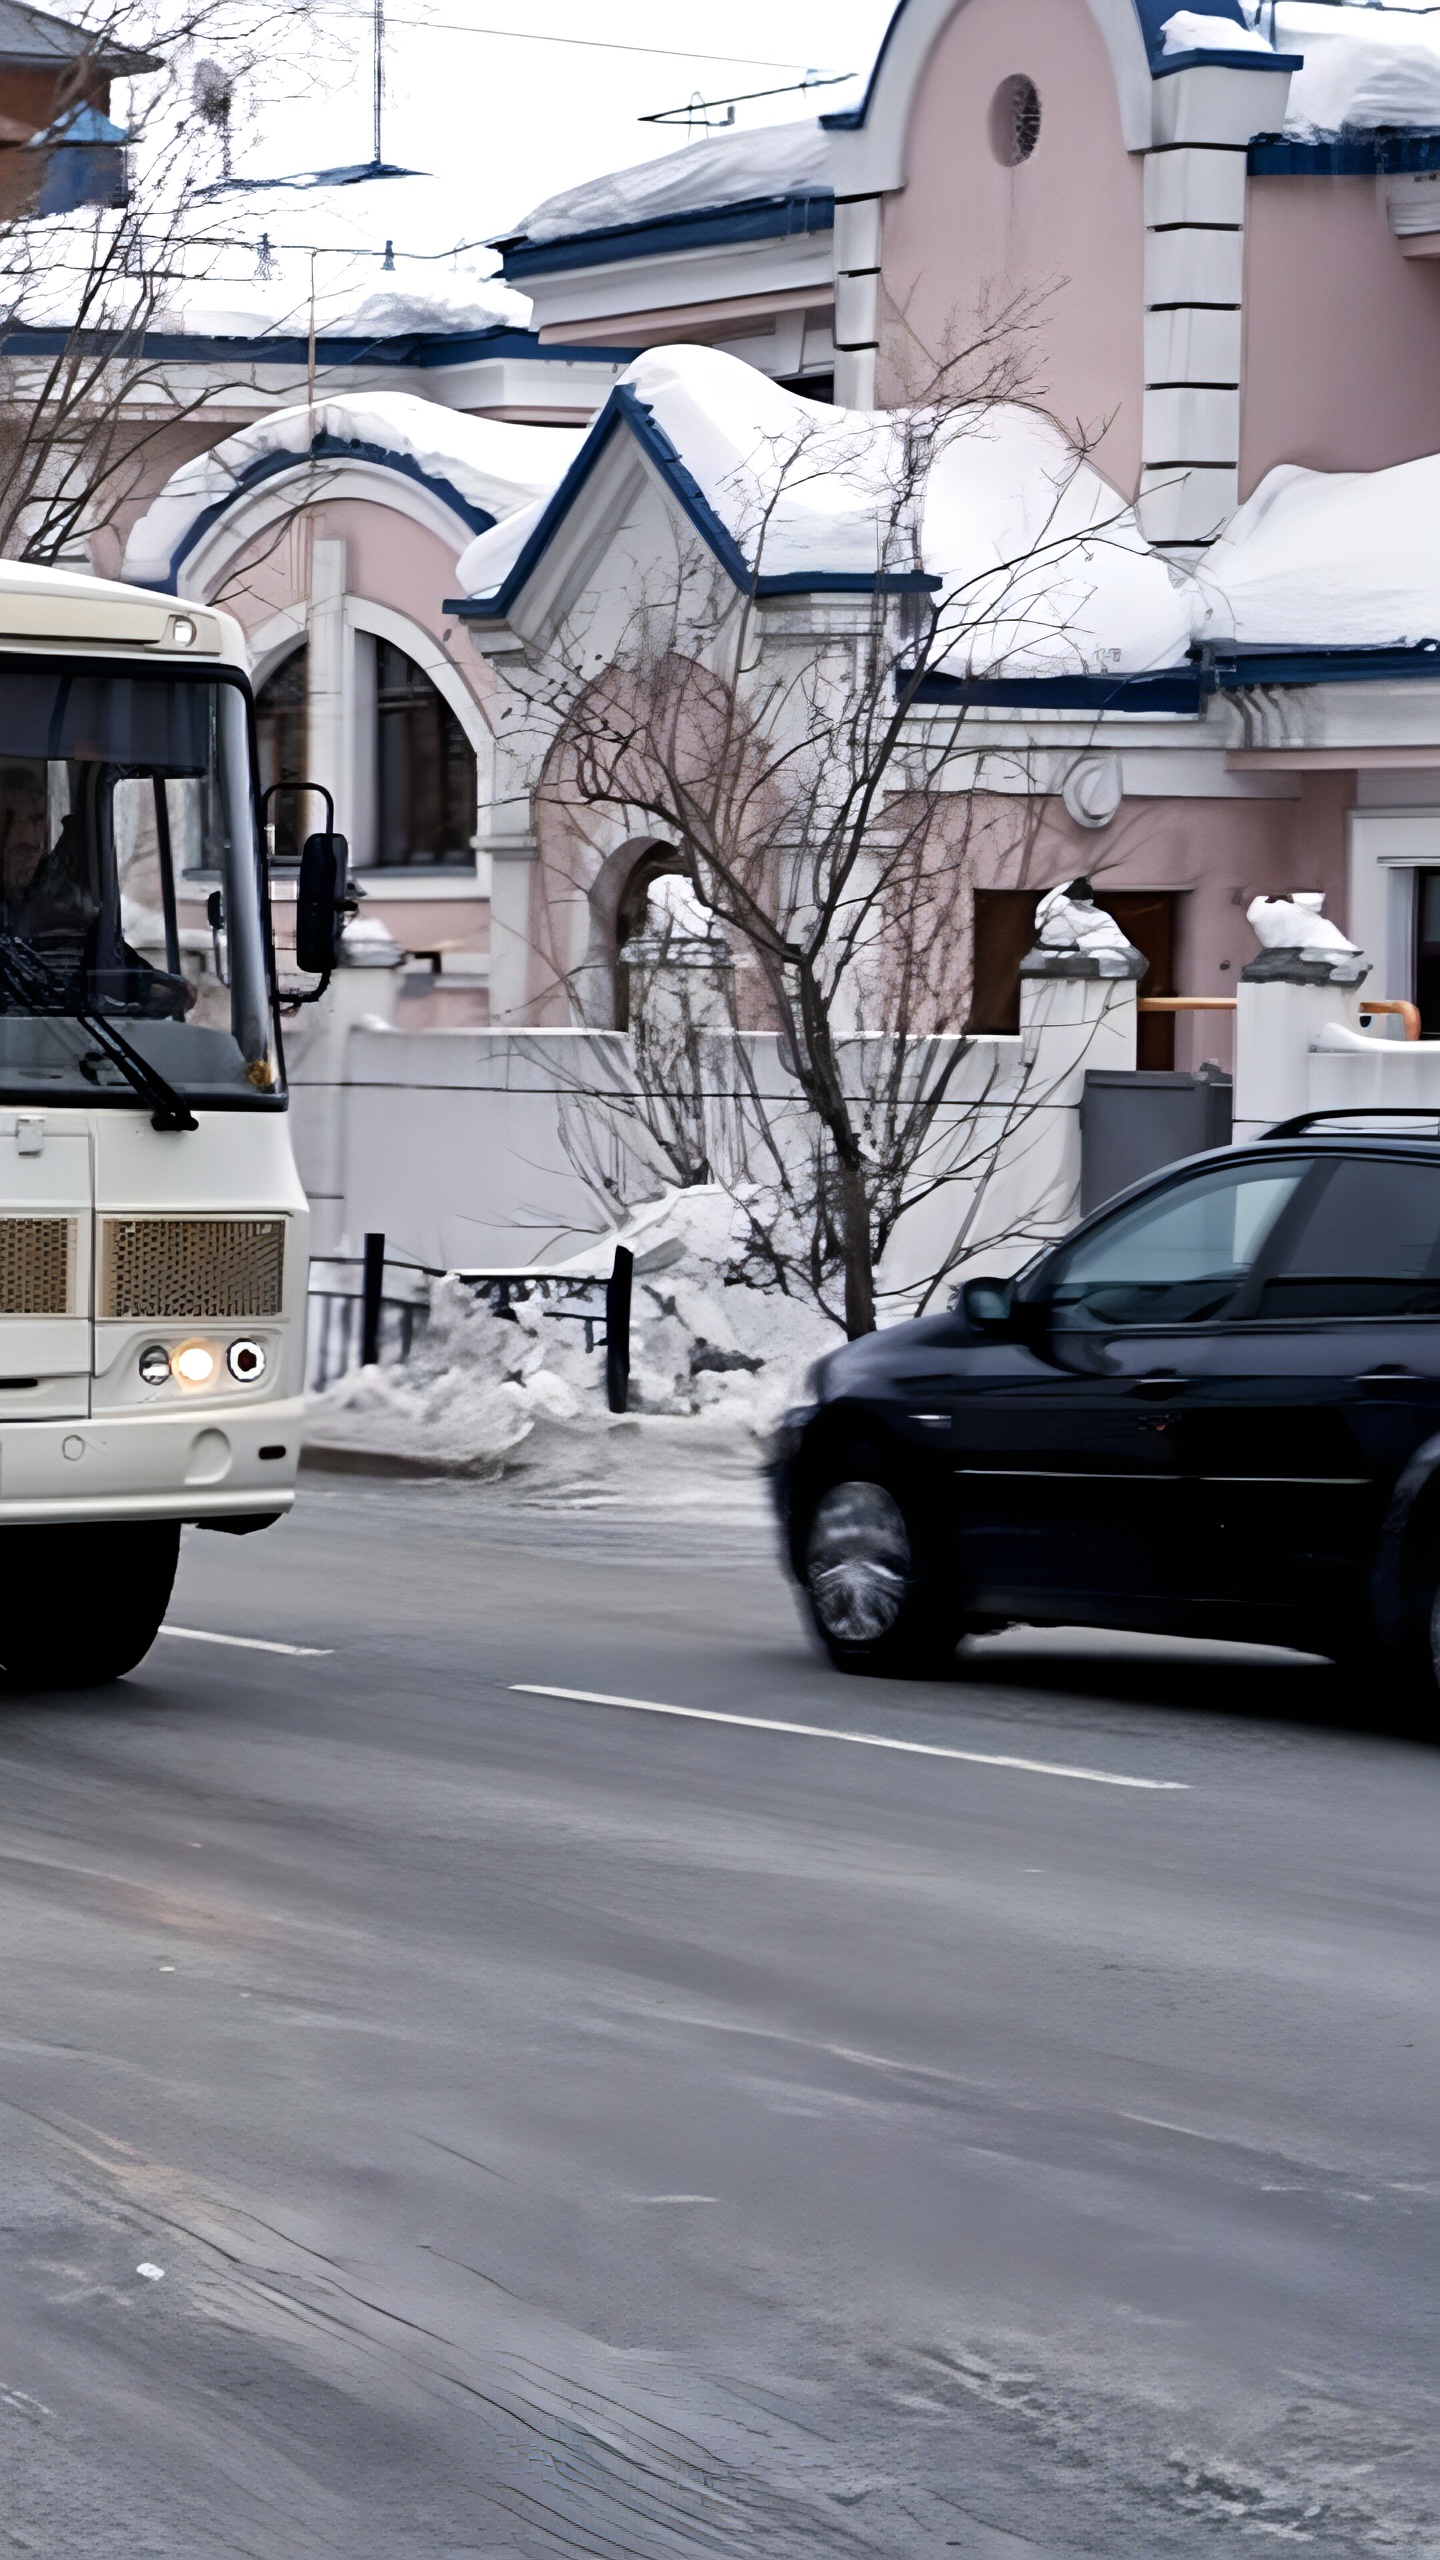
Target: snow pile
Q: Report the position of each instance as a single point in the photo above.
(1188, 31)
(494, 465)
(1043, 565)
(766, 160)
(519, 1396)
(1330, 559)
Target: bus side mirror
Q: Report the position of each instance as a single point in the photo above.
(322, 902)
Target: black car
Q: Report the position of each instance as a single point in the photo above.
(1214, 1409)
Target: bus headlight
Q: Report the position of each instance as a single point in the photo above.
(194, 1363)
(154, 1364)
(246, 1361)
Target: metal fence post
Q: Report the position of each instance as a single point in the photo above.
(617, 1330)
(373, 1285)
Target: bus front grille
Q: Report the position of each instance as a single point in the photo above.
(196, 1269)
(36, 1260)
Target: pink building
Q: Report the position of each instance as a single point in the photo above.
(1210, 249)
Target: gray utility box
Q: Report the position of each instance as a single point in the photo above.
(1135, 1124)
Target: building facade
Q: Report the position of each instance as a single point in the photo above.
(1205, 248)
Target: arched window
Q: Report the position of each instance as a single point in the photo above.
(425, 777)
(280, 733)
(630, 915)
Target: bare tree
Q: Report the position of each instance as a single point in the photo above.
(819, 780)
(84, 400)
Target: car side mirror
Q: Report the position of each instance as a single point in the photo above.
(989, 1305)
(322, 902)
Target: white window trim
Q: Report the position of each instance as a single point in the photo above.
(382, 622)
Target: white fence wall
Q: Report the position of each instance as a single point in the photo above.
(504, 1148)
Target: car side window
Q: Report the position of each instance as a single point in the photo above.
(1370, 1245)
(1179, 1257)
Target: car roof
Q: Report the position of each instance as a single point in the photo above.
(1414, 1124)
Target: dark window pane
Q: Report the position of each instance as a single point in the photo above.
(1370, 1247)
(1004, 932)
(280, 708)
(425, 781)
(1178, 1258)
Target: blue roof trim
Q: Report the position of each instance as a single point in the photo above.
(1185, 689)
(850, 119)
(1172, 689)
(1342, 155)
(1221, 61)
(1152, 15)
(778, 217)
(323, 448)
(625, 408)
(426, 349)
(1235, 669)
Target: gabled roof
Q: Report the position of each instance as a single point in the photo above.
(31, 40)
(1039, 563)
(83, 127)
(479, 469)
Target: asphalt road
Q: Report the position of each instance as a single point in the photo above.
(569, 2130)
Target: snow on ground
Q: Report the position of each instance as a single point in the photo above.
(484, 1394)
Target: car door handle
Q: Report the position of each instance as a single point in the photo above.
(1157, 1382)
(1393, 1376)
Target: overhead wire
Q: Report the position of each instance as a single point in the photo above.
(590, 44)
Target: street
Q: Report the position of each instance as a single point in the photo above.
(566, 2129)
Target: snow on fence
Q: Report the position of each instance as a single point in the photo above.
(334, 1341)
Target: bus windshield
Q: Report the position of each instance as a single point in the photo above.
(130, 888)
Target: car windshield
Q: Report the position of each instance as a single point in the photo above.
(125, 802)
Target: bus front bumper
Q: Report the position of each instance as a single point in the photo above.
(202, 1464)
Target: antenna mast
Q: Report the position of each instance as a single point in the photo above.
(379, 73)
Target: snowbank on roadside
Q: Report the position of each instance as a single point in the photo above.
(519, 1396)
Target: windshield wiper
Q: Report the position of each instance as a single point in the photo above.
(29, 975)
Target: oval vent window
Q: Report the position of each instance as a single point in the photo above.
(1014, 120)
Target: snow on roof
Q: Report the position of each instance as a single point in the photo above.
(1042, 565)
(1330, 559)
(442, 278)
(241, 267)
(492, 466)
(732, 168)
(1364, 65)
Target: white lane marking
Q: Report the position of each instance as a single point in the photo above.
(252, 1644)
(872, 1741)
(1164, 2124)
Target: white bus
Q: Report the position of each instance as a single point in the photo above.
(153, 1232)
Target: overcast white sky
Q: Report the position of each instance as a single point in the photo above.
(506, 119)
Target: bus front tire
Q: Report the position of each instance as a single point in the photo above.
(81, 1604)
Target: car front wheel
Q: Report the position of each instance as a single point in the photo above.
(873, 1605)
